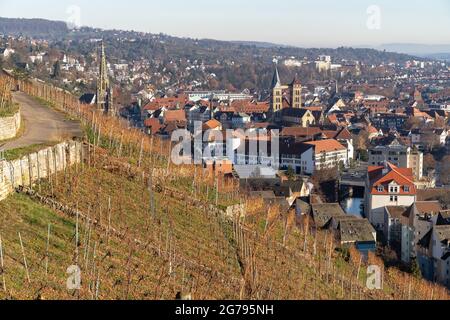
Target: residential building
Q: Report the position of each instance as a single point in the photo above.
(434, 255)
(349, 230)
(298, 156)
(328, 154)
(399, 155)
(219, 95)
(387, 185)
(323, 214)
(389, 121)
(357, 232)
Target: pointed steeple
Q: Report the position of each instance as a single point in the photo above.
(104, 95)
(276, 77)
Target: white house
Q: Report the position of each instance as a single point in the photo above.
(386, 186)
(328, 154)
(298, 156)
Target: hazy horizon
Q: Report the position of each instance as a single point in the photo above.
(294, 23)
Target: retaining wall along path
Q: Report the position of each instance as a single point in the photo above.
(38, 165)
(10, 126)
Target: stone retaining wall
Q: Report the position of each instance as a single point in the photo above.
(38, 165)
(9, 126)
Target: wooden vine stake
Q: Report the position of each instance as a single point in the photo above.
(24, 259)
(2, 264)
(47, 249)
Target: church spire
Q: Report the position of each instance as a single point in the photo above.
(276, 77)
(104, 95)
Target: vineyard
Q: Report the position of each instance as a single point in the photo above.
(140, 228)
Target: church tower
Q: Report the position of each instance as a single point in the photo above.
(276, 92)
(296, 93)
(104, 97)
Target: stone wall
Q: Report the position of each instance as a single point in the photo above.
(9, 126)
(35, 166)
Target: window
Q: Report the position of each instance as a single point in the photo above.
(380, 188)
(406, 188)
(393, 189)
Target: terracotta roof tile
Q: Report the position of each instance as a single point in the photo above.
(326, 146)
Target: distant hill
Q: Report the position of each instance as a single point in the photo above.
(439, 56)
(236, 65)
(259, 44)
(35, 28)
(422, 50)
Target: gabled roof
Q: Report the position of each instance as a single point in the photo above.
(344, 134)
(326, 146)
(356, 230)
(323, 213)
(385, 175)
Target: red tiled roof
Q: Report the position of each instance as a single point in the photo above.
(211, 124)
(300, 131)
(344, 135)
(151, 122)
(330, 134)
(172, 102)
(259, 107)
(174, 115)
(401, 176)
(326, 146)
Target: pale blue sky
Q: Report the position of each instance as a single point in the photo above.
(295, 22)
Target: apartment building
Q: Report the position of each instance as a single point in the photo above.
(399, 155)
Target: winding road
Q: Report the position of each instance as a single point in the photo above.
(42, 124)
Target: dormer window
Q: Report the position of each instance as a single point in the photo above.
(380, 189)
(407, 189)
(393, 189)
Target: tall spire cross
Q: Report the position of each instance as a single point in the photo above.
(104, 90)
(276, 82)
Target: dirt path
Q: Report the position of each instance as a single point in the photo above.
(42, 124)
